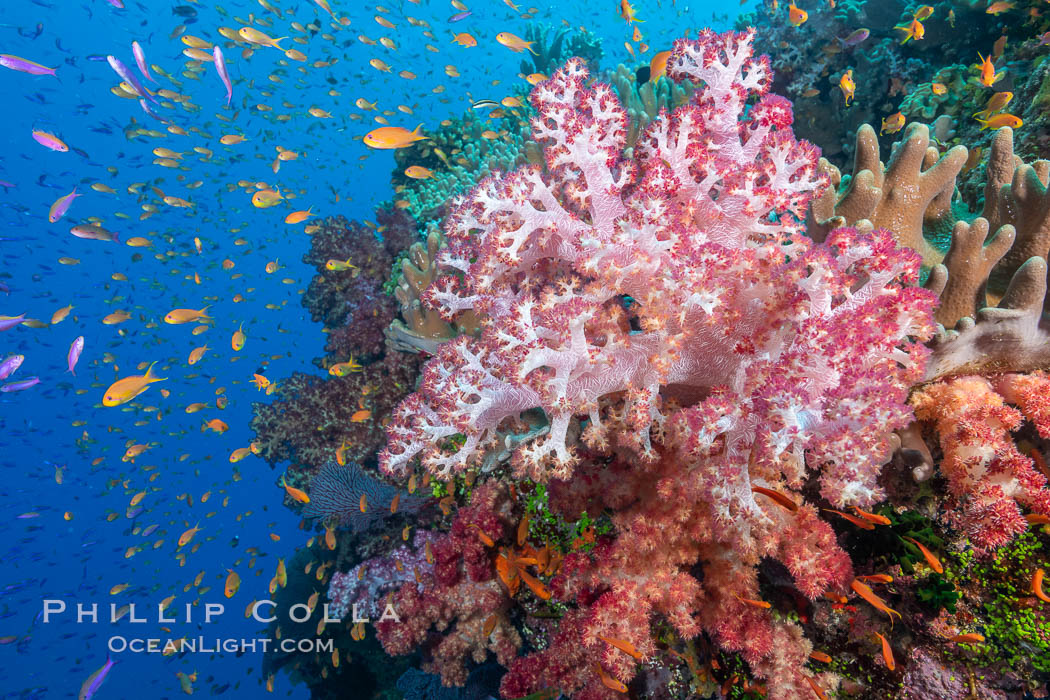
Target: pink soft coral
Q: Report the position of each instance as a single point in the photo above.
(987, 475)
(667, 310)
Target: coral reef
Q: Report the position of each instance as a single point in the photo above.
(460, 596)
(666, 309)
(550, 49)
(348, 496)
(311, 417)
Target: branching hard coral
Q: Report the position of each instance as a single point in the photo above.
(987, 476)
(667, 309)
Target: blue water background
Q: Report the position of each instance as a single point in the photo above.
(80, 560)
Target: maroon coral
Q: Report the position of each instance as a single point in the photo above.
(459, 597)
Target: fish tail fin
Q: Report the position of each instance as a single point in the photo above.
(152, 377)
(528, 45)
(277, 41)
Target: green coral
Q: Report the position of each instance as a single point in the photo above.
(564, 535)
(1016, 624)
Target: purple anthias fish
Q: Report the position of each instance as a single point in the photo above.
(140, 61)
(855, 38)
(149, 110)
(9, 322)
(460, 16)
(120, 69)
(75, 348)
(119, 4)
(21, 64)
(95, 680)
(20, 385)
(8, 366)
(220, 67)
(61, 206)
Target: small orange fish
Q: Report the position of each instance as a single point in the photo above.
(877, 578)
(625, 647)
(515, 43)
(938, 88)
(968, 638)
(360, 416)
(934, 563)
(859, 522)
(847, 86)
(988, 75)
(658, 65)
(777, 497)
(865, 592)
(608, 681)
(465, 39)
(1001, 120)
(816, 688)
(297, 495)
(820, 656)
(387, 137)
(754, 603)
(1037, 586)
(999, 7)
(891, 125)
(887, 653)
(363, 504)
(915, 30)
(872, 517)
(797, 16)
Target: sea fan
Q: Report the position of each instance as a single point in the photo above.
(336, 493)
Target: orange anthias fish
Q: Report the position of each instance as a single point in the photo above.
(988, 75)
(999, 7)
(934, 563)
(847, 86)
(892, 124)
(608, 681)
(515, 43)
(124, 390)
(297, 495)
(915, 31)
(393, 137)
(180, 316)
(796, 15)
(865, 592)
(1001, 120)
(777, 497)
(628, 13)
(625, 647)
(658, 66)
(1037, 586)
(924, 13)
(887, 652)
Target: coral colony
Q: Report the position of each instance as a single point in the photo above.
(681, 369)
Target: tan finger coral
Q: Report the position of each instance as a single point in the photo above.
(423, 329)
(911, 193)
